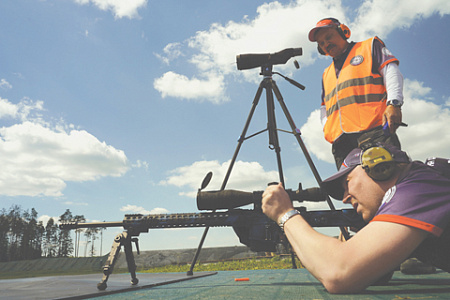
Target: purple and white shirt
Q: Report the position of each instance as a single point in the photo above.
(421, 199)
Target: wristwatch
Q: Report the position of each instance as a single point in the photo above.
(287, 216)
(395, 103)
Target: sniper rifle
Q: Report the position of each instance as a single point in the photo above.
(253, 228)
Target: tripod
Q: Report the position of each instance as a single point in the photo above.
(271, 88)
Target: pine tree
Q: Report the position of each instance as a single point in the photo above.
(65, 241)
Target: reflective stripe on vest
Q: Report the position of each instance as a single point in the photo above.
(356, 101)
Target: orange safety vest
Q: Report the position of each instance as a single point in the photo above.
(356, 100)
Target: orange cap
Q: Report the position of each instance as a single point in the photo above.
(324, 23)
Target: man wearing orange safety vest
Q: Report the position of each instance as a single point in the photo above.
(362, 90)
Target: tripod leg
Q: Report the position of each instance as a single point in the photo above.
(297, 134)
(272, 127)
(197, 253)
(273, 140)
(243, 134)
(230, 167)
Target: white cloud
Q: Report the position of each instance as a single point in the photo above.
(401, 14)
(426, 134)
(8, 109)
(141, 164)
(120, 8)
(424, 137)
(171, 52)
(22, 110)
(5, 84)
(278, 26)
(447, 102)
(71, 203)
(140, 210)
(313, 137)
(246, 176)
(275, 28)
(44, 219)
(38, 159)
(175, 85)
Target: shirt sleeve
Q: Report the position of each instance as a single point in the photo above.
(381, 56)
(323, 108)
(393, 81)
(386, 64)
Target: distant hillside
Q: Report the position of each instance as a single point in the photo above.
(146, 259)
(158, 258)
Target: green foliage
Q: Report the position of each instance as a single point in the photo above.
(23, 237)
(20, 234)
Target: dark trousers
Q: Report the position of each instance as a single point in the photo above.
(349, 141)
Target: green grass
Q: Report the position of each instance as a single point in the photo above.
(261, 263)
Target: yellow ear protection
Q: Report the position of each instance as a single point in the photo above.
(342, 29)
(378, 163)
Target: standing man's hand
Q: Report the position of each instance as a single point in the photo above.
(393, 116)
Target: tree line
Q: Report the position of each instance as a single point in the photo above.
(22, 236)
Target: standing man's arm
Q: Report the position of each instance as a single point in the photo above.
(323, 109)
(393, 81)
(386, 64)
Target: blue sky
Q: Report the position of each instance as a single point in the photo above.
(114, 107)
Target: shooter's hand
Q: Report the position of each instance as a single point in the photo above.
(393, 116)
(276, 202)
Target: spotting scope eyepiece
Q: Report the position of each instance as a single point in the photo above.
(250, 61)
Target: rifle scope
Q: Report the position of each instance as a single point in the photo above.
(229, 199)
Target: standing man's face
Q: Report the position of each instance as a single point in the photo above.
(331, 42)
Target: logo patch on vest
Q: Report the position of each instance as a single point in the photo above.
(357, 60)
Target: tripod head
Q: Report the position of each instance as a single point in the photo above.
(250, 61)
(267, 72)
(266, 62)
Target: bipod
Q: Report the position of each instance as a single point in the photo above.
(122, 239)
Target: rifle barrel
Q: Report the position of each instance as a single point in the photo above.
(75, 225)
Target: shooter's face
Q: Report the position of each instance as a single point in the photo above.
(363, 193)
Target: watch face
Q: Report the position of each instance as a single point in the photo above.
(395, 103)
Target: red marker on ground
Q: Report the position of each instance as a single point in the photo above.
(242, 279)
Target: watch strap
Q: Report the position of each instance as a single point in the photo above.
(287, 216)
(395, 103)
